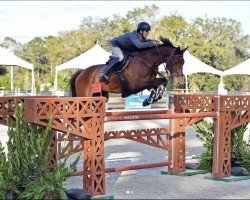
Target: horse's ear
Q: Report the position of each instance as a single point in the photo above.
(183, 50)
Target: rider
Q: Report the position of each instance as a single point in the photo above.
(128, 42)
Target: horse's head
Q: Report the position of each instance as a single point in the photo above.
(173, 59)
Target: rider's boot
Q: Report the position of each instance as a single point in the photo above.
(104, 74)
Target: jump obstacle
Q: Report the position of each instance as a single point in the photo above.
(84, 119)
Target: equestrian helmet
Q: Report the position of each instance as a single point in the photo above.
(143, 26)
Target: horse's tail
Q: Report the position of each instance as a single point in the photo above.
(72, 86)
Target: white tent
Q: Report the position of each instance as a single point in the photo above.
(242, 68)
(9, 59)
(194, 65)
(95, 55)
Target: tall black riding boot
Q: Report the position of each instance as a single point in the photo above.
(104, 74)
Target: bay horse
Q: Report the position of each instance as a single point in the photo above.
(141, 73)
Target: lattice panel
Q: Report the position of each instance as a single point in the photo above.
(94, 168)
(71, 115)
(226, 146)
(238, 107)
(177, 127)
(193, 102)
(177, 146)
(181, 159)
(7, 106)
(156, 137)
(53, 158)
(239, 118)
(234, 103)
(66, 142)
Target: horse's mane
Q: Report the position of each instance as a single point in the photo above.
(166, 41)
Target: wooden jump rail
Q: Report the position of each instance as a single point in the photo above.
(149, 115)
(131, 167)
(173, 148)
(135, 167)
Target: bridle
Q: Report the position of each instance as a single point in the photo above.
(164, 61)
(168, 62)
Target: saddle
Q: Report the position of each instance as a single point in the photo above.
(120, 66)
(119, 72)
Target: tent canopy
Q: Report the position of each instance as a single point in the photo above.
(242, 68)
(94, 56)
(9, 59)
(194, 65)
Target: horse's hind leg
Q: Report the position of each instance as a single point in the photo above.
(82, 87)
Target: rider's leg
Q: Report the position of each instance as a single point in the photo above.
(116, 51)
(108, 69)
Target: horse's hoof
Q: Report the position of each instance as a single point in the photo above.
(155, 100)
(145, 103)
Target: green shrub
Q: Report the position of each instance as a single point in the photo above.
(24, 171)
(239, 145)
(205, 132)
(240, 148)
(206, 161)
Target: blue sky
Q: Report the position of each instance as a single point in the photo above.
(24, 20)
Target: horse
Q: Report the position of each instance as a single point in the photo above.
(140, 73)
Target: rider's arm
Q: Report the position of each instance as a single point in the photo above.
(139, 44)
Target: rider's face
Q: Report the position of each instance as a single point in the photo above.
(145, 34)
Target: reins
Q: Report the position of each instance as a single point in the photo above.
(165, 62)
(162, 59)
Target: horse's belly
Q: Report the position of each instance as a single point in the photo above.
(114, 85)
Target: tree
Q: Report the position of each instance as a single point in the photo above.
(147, 14)
(11, 44)
(175, 27)
(34, 52)
(218, 42)
(103, 29)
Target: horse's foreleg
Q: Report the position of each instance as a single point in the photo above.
(161, 87)
(162, 80)
(153, 94)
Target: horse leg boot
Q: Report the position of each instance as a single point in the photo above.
(160, 91)
(150, 99)
(104, 74)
